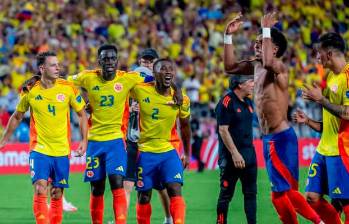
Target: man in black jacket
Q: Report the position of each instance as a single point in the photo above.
(237, 157)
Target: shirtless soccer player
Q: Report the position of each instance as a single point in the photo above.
(271, 99)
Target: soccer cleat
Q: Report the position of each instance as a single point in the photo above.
(168, 220)
(69, 207)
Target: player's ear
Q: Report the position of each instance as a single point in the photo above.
(276, 48)
(329, 54)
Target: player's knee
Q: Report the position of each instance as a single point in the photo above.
(40, 188)
(174, 189)
(312, 197)
(116, 181)
(97, 188)
(56, 193)
(128, 186)
(144, 197)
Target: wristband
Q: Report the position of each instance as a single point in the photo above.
(228, 39)
(266, 32)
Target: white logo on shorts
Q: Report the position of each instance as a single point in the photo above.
(120, 168)
(178, 176)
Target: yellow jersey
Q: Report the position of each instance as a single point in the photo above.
(337, 92)
(50, 116)
(158, 116)
(107, 100)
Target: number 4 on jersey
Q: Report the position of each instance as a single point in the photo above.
(52, 109)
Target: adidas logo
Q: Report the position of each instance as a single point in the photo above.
(38, 97)
(178, 176)
(95, 88)
(121, 217)
(42, 216)
(337, 191)
(120, 168)
(63, 181)
(146, 100)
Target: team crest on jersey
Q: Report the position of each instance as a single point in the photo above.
(140, 183)
(32, 173)
(118, 87)
(60, 97)
(90, 173)
(347, 94)
(334, 88)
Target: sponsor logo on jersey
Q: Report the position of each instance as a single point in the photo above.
(96, 88)
(146, 100)
(38, 97)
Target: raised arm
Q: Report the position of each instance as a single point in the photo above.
(231, 65)
(271, 51)
(13, 123)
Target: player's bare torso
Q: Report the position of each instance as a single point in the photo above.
(271, 101)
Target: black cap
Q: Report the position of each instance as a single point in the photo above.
(235, 80)
(149, 53)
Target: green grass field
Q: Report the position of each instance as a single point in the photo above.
(200, 192)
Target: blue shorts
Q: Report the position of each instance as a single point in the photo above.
(154, 170)
(327, 175)
(44, 167)
(280, 152)
(107, 157)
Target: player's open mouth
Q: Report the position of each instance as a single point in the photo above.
(168, 79)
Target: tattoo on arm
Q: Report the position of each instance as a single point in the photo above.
(340, 111)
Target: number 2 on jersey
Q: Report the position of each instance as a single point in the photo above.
(107, 101)
(155, 114)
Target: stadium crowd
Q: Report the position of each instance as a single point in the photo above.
(189, 32)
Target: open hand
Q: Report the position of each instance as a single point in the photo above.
(299, 117)
(269, 20)
(313, 93)
(234, 24)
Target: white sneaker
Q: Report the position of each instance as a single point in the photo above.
(69, 207)
(168, 220)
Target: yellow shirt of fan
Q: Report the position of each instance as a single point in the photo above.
(50, 116)
(158, 115)
(107, 99)
(337, 92)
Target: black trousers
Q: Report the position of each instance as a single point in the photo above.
(228, 178)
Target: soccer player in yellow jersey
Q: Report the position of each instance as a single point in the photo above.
(147, 58)
(329, 170)
(49, 101)
(159, 165)
(107, 90)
